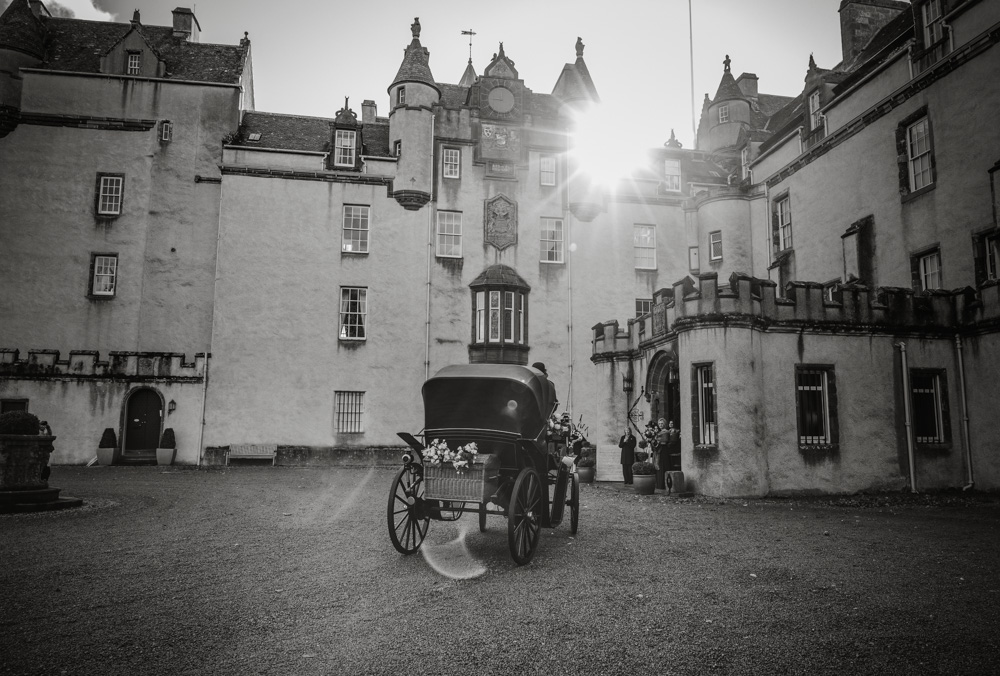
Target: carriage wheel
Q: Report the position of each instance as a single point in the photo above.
(574, 505)
(557, 500)
(524, 518)
(482, 517)
(407, 524)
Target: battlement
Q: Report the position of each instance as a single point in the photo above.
(754, 302)
(87, 364)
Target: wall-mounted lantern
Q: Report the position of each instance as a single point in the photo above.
(171, 407)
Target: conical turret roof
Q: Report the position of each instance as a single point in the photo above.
(415, 66)
(728, 89)
(574, 82)
(469, 76)
(21, 30)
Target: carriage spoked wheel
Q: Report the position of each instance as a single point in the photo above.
(573, 502)
(405, 514)
(524, 518)
(482, 517)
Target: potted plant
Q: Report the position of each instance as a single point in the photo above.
(107, 449)
(643, 474)
(24, 453)
(586, 468)
(167, 449)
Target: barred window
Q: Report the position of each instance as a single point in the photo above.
(547, 170)
(109, 194)
(355, 238)
(452, 160)
(815, 401)
(353, 313)
(644, 246)
(344, 148)
(449, 234)
(705, 428)
(350, 412)
(552, 240)
(104, 276)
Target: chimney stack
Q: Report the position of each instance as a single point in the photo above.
(186, 25)
(38, 9)
(368, 112)
(747, 82)
(860, 20)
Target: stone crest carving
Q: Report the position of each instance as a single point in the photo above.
(659, 319)
(497, 137)
(500, 221)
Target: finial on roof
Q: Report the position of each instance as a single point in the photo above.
(415, 28)
(346, 106)
(727, 62)
(501, 49)
(579, 47)
(673, 142)
(812, 62)
(245, 40)
(135, 16)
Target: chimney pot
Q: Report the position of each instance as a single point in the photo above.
(368, 110)
(186, 25)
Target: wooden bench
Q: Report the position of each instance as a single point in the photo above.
(252, 452)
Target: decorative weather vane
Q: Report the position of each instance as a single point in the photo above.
(470, 33)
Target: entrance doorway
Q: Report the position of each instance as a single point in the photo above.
(664, 390)
(143, 413)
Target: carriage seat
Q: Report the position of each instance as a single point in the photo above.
(253, 452)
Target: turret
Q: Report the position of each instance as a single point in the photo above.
(412, 95)
(728, 112)
(22, 45)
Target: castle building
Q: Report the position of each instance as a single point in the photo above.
(287, 283)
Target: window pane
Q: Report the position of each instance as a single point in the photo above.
(353, 313)
(813, 414)
(452, 162)
(508, 316)
(111, 195)
(344, 155)
(480, 316)
(494, 316)
(643, 306)
(349, 413)
(552, 240)
(547, 170)
(930, 271)
(644, 244)
(926, 407)
(105, 273)
(706, 405)
(449, 234)
(715, 245)
(355, 229)
(672, 175)
(919, 150)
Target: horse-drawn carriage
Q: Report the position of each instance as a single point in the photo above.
(517, 471)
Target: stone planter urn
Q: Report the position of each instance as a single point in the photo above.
(24, 459)
(585, 474)
(167, 449)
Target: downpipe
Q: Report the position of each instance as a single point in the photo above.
(907, 416)
(966, 440)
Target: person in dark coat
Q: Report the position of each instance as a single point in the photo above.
(627, 444)
(660, 454)
(673, 448)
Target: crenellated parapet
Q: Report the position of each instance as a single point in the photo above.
(87, 365)
(750, 302)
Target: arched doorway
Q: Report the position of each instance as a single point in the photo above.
(664, 392)
(143, 414)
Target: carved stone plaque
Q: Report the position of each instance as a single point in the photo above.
(659, 319)
(500, 222)
(499, 141)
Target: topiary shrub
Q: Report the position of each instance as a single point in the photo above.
(109, 439)
(18, 422)
(167, 440)
(643, 468)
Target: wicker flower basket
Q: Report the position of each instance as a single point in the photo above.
(476, 483)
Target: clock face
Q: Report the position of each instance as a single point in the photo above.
(501, 100)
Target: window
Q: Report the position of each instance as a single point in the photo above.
(930, 407)
(254, 136)
(104, 274)
(401, 96)
(644, 245)
(918, 153)
(350, 412)
(449, 234)
(745, 163)
(166, 131)
(500, 317)
(344, 150)
(355, 238)
(724, 113)
(353, 313)
(715, 245)
(815, 118)
(547, 170)
(992, 256)
(815, 403)
(672, 175)
(109, 194)
(784, 223)
(643, 306)
(397, 148)
(705, 429)
(133, 63)
(452, 160)
(552, 240)
(933, 24)
(928, 270)
(7, 405)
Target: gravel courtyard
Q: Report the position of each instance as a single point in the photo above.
(262, 570)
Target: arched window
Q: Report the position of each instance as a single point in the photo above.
(499, 317)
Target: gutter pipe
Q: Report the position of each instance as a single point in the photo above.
(966, 441)
(907, 415)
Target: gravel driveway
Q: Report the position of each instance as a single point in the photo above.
(263, 570)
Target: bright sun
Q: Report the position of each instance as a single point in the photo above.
(604, 147)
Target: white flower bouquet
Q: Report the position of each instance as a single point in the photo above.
(437, 453)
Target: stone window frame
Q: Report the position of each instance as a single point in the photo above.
(704, 411)
(781, 231)
(904, 160)
(941, 409)
(95, 271)
(831, 420)
(918, 269)
(348, 227)
(448, 241)
(401, 95)
(986, 255)
(353, 319)
(451, 169)
(108, 203)
(345, 147)
(501, 316)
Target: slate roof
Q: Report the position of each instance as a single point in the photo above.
(500, 274)
(77, 45)
(728, 89)
(308, 134)
(415, 66)
(453, 96)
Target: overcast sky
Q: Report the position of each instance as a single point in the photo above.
(308, 55)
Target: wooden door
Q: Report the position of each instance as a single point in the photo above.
(142, 422)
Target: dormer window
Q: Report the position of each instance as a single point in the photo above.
(724, 113)
(933, 22)
(133, 63)
(672, 175)
(255, 136)
(815, 117)
(344, 148)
